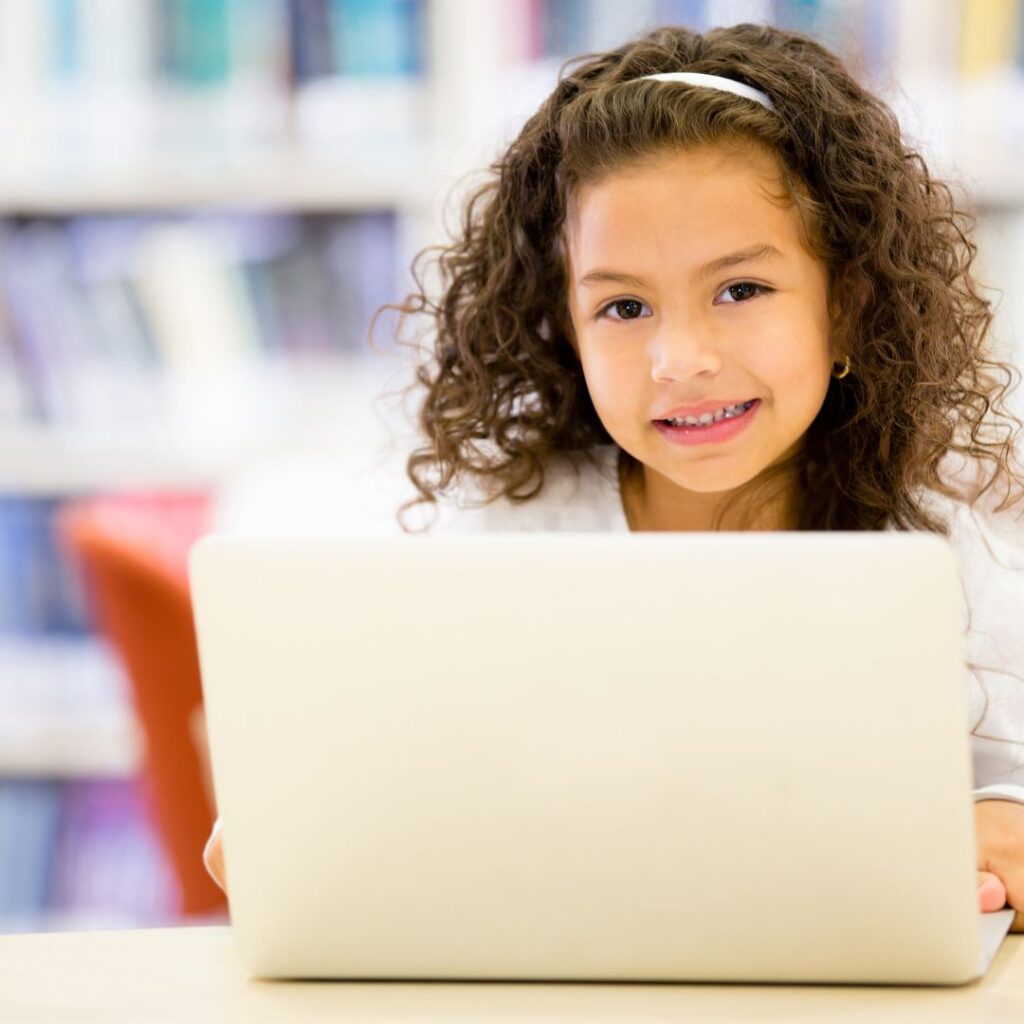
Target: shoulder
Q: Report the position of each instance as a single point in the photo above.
(988, 541)
(986, 525)
(580, 492)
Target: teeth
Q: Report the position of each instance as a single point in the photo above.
(707, 418)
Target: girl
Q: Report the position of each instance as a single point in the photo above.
(708, 287)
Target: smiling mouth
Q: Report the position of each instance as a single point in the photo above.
(708, 419)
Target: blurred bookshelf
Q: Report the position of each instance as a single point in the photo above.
(149, 349)
(65, 714)
(202, 203)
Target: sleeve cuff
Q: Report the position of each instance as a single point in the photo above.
(1002, 791)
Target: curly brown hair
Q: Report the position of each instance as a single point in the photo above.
(504, 387)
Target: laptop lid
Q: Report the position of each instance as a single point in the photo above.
(728, 757)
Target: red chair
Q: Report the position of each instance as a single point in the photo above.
(133, 551)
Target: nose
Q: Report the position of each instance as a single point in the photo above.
(681, 353)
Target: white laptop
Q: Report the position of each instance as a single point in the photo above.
(637, 757)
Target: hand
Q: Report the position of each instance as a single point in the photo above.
(213, 857)
(999, 829)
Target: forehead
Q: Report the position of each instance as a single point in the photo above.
(684, 204)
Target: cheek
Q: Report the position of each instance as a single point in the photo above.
(792, 357)
(611, 374)
(801, 373)
(799, 385)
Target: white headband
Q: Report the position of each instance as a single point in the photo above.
(712, 82)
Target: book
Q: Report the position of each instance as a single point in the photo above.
(989, 35)
(311, 46)
(107, 864)
(377, 37)
(374, 88)
(564, 28)
(30, 812)
(41, 590)
(194, 46)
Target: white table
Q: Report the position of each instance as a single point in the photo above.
(192, 975)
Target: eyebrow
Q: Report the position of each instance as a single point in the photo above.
(760, 251)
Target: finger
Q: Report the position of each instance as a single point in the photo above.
(991, 892)
(1018, 922)
(1010, 871)
(213, 857)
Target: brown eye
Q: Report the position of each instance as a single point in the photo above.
(625, 309)
(744, 291)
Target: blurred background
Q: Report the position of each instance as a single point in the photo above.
(202, 203)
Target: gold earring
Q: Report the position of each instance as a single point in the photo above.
(845, 370)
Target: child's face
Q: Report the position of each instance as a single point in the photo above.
(676, 338)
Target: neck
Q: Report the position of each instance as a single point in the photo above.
(652, 503)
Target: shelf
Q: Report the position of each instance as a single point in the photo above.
(66, 712)
(41, 461)
(389, 177)
(214, 426)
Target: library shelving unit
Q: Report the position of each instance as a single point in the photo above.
(84, 729)
(64, 712)
(402, 146)
(487, 67)
(284, 170)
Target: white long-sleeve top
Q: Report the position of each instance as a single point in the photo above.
(319, 497)
(990, 548)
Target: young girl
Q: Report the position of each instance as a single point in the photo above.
(708, 287)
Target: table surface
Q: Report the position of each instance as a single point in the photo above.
(192, 974)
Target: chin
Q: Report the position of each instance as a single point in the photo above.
(709, 475)
(709, 484)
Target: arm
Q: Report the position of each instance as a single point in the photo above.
(997, 747)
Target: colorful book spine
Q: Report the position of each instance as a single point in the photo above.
(107, 865)
(194, 41)
(65, 31)
(564, 28)
(41, 591)
(990, 33)
(691, 13)
(99, 309)
(82, 853)
(378, 37)
(30, 813)
(528, 22)
(807, 16)
(363, 260)
(205, 45)
(310, 40)
(1019, 41)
